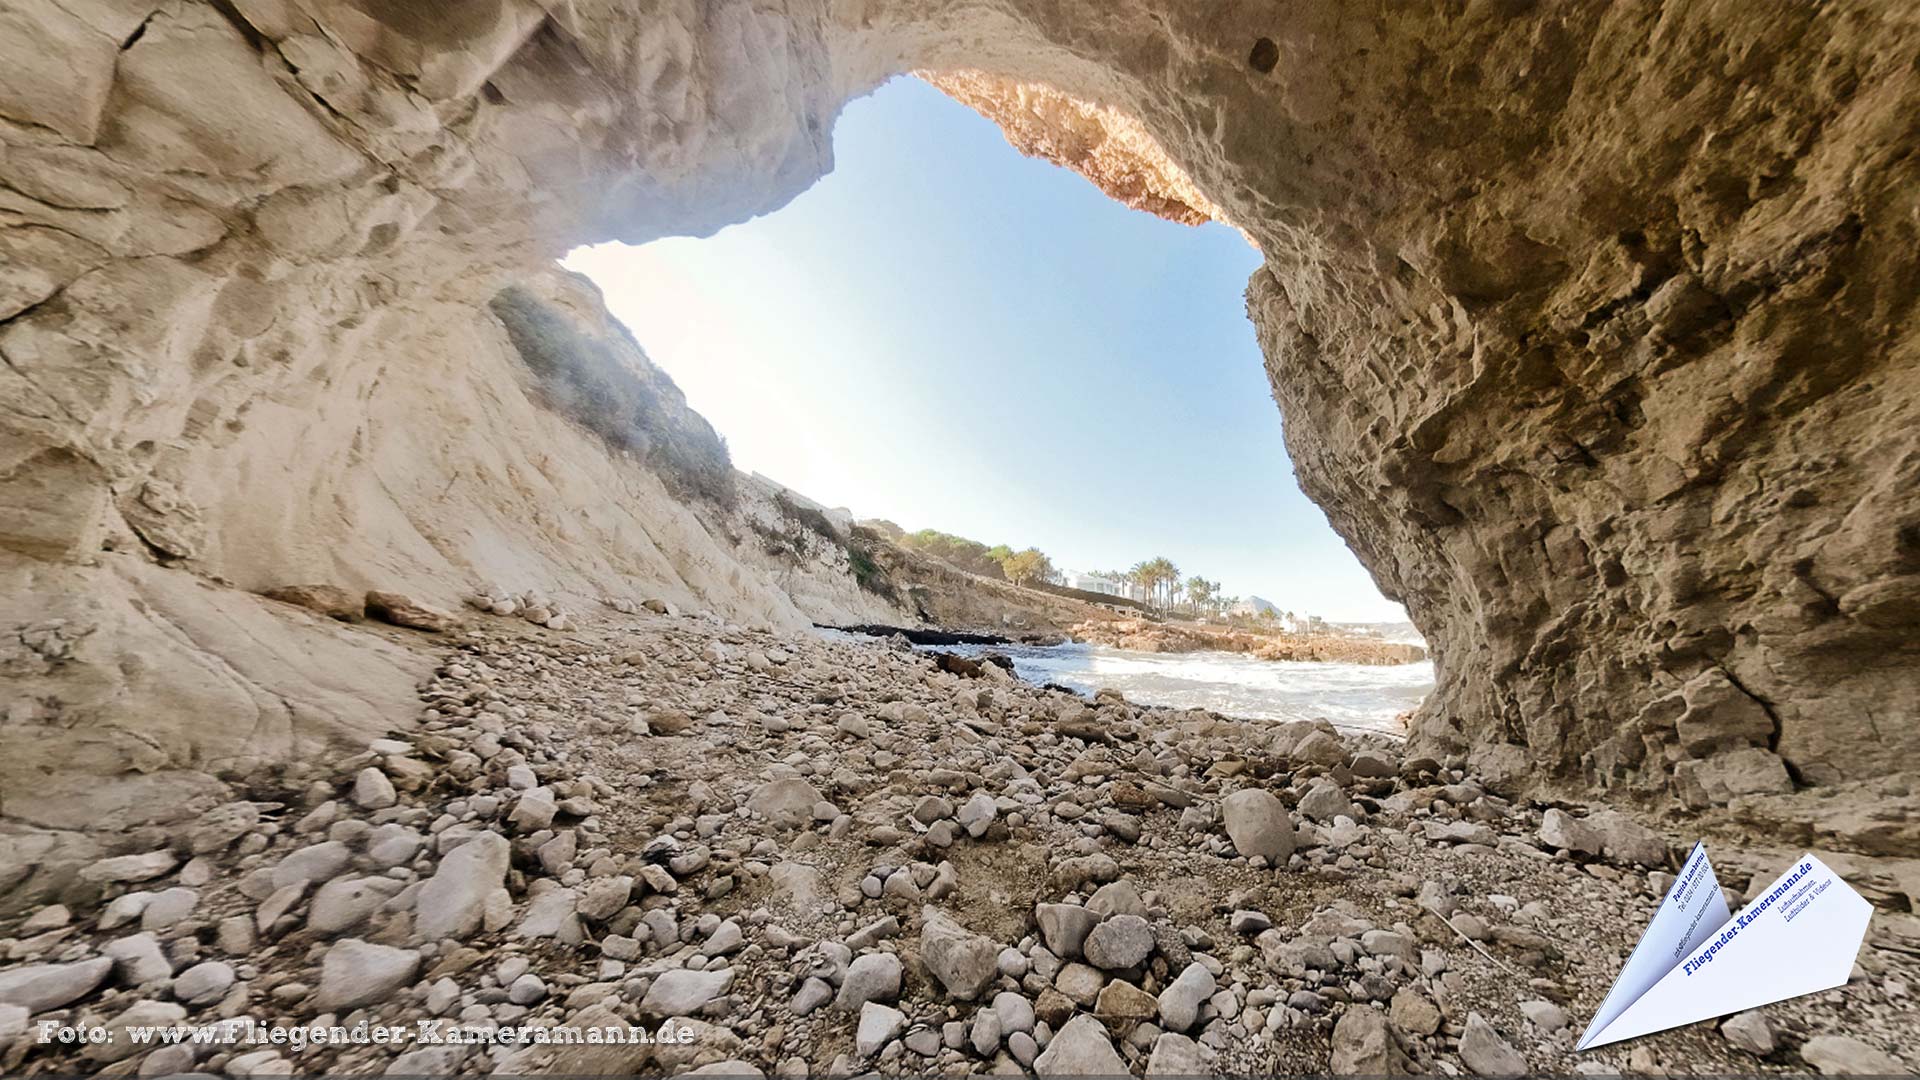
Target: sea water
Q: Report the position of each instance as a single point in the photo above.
(1352, 696)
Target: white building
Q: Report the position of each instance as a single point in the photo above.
(1105, 584)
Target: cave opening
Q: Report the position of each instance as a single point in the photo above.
(945, 335)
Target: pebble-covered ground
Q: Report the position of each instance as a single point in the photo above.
(831, 857)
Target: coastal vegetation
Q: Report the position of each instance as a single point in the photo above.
(1000, 561)
(1156, 582)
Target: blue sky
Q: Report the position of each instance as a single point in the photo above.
(947, 334)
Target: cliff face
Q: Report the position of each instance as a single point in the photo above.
(936, 592)
(1591, 325)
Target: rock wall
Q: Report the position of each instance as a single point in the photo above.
(1590, 323)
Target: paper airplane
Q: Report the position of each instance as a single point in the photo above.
(1698, 961)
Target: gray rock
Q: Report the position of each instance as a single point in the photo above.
(1249, 923)
(315, 862)
(123, 868)
(1545, 1015)
(1073, 873)
(1459, 832)
(1080, 982)
(393, 844)
(879, 1025)
(923, 1041)
(355, 973)
(1294, 956)
(1064, 927)
(528, 989)
(1320, 748)
(204, 983)
(1016, 1012)
(218, 828)
(260, 1063)
(1176, 1055)
(1843, 1055)
(429, 1061)
(1362, 1045)
(1118, 943)
(138, 960)
(1486, 1053)
(39, 987)
(372, 790)
(13, 1024)
(168, 907)
(681, 992)
(1013, 963)
(1081, 1048)
(603, 898)
(1719, 715)
(533, 811)
(453, 902)
(1750, 770)
(551, 914)
(800, 888)
(1388, 943)
(726, 939)
(1117, 898)
(557, 854)
(345, 903)
(124, 909)
(1413, 1011)
(1560, 829)
(1374, 764)
(727, 1070)
(960, 960)
(1180, 1002)
(873, 933)
(275, 907)
(977, 813)
(1024, 1049)
(986, 1032)
(141, 1014)
(872, 977)
(1258, 825)
(1625, 840)
(813, 993)
(932, 808)
(787, 803)
(1749, 1031)
(1326, 800)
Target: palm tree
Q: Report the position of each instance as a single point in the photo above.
(1143, 575)
(1199, 591)
(1169, 579)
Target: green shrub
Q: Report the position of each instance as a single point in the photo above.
(807, 517)
(868, 574)
(610, 388)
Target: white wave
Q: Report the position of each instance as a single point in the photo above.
(1348, 695)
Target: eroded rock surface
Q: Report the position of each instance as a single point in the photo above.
(1592, 325)
(1103, 917)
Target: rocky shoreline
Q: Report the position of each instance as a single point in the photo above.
(826, 857)
(1142, 635)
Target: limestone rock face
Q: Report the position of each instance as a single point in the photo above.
(1592, 325)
